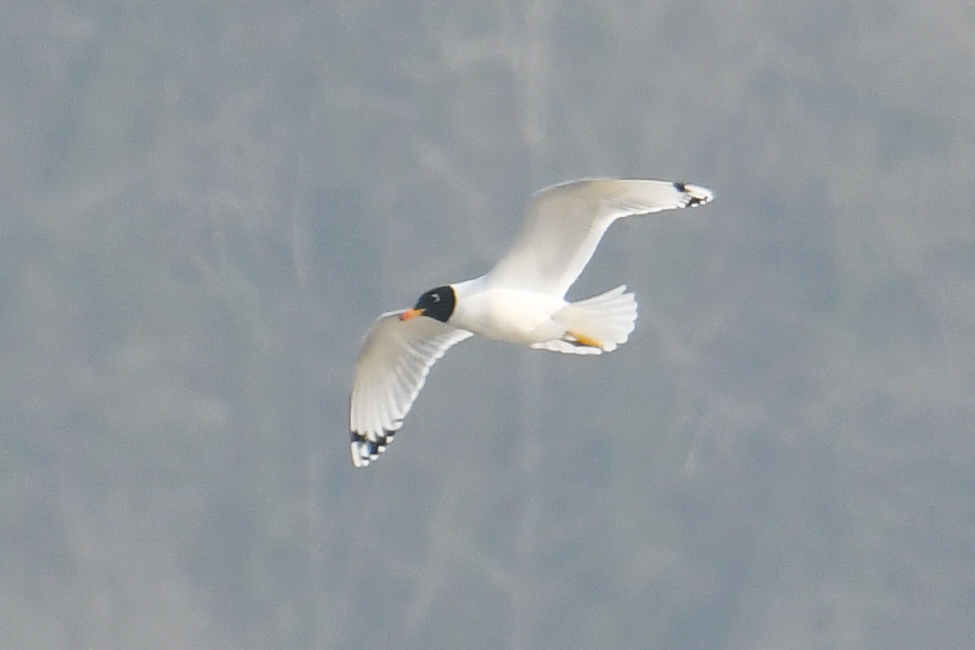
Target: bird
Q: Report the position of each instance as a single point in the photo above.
(521, 300)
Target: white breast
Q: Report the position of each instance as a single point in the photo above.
(509, 315)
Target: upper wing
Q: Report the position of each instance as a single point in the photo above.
(565, 223)
(393, 364)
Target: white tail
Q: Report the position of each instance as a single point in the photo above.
(607, 319)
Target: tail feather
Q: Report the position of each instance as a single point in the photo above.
(608, 318)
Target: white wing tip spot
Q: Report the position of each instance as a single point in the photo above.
(358, 460)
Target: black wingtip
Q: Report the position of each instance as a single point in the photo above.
(364, 450)
(694, 194)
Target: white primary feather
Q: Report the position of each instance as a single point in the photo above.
(391, 369)
(565, 223)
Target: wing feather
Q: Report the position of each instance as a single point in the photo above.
(565, 222)
(392, 367)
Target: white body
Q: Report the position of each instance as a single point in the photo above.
(509, 315)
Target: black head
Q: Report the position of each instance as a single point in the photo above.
(437, 303)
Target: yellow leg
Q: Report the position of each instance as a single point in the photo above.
(583, 340)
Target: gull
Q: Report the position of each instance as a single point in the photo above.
(520, 300)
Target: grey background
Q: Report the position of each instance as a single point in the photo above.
(205, 204)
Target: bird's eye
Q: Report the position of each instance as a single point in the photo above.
(436, 297)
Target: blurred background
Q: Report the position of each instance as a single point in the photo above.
(204, 205)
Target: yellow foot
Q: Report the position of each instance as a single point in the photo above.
(582, 340)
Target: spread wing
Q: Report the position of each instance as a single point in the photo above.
(393, 364)
(565, 223)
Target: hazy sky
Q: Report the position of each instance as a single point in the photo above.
(205, 206)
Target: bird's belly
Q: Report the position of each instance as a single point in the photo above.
(513, 316)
